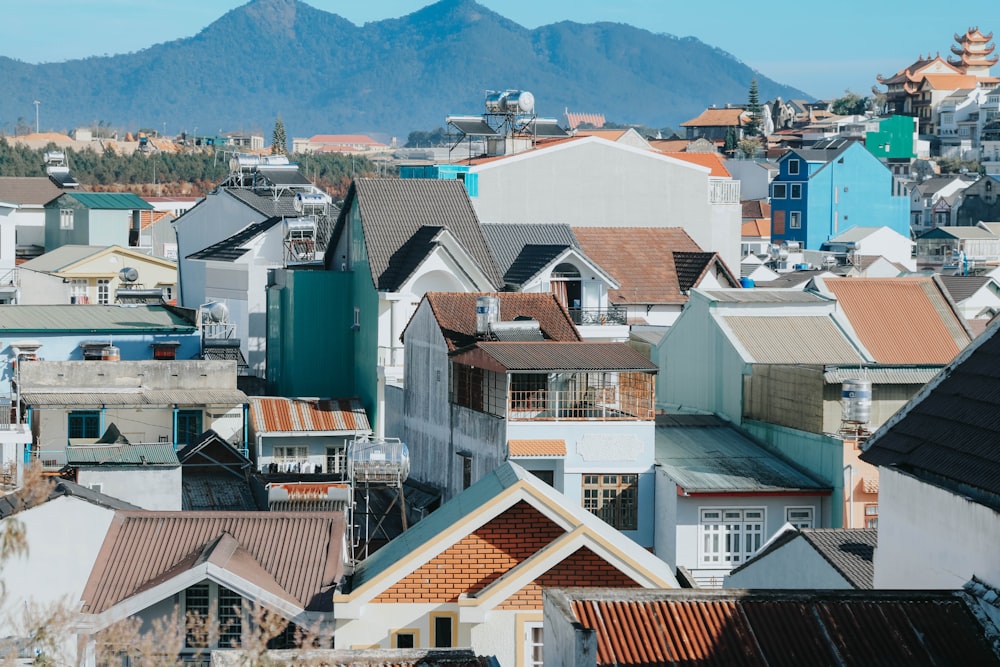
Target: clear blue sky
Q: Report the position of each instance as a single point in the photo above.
(822, 48)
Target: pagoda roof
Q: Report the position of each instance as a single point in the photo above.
(915, 72)
(973, 35)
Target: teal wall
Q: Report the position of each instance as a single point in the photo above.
(821, 455)
(894, 140)
(364, 310)
(309, 339)
(56, 237)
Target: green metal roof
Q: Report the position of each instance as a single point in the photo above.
(111, 200)
(67, 318)
(151, 454)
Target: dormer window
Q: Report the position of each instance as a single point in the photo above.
(793, 167)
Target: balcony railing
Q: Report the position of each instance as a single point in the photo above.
(723, 192)
(390, 356)
(614, 403)
(599, 316)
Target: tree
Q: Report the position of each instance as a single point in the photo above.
(749, 146)
(851, 104)
(279, 142)
(754, 110)
(731, 141)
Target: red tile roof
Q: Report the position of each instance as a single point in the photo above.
(296, 556)
(901, 320)
(713, 161)
(455, 313)
(738, 627)
(576, 119)
(716, 118)
(276, 414)
(759, 228)
(641, 260)
(538, 447)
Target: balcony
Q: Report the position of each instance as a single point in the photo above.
(599, 316)
(611, 403)
(723, 192)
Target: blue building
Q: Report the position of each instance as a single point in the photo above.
(825, 190)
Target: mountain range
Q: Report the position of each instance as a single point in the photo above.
(323, 74)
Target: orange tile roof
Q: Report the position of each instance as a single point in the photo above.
(537, 447)
(641, 260)
(950, 81)
(759, 228)
(610, 135)
(669, 145)
(716, 118)
(713, 161)
(455, 313)
(277, 414)
(901, 320)
(576, 119)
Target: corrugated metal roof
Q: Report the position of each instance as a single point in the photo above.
(11, 503)
(764, 296)
(556, 356)
(721, 458)
(265, 203)
(741, 627)
(275, 414)
(950, 430)
(29, 190)
(139, 397)
(537, 447)
(803, 339)
(137, 454)
(66, 318)
(882, 374)
(455, 313)
(62, 256)
(232, 248)
(900, 320)
(111, 200)
(961, 288)
(850, 551)
(294, 555)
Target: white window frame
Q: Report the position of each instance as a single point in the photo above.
(533, 640)
(66, 218)
(729, 536)
(103, 291)
(774, 190)
(801, 517)
(612, 497)
(795, 191)
(217, 609)
(795, 220)
(78, 290)
(793, 167)
(338, 455)
(289, 456)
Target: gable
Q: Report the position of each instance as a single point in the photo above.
(478, 559)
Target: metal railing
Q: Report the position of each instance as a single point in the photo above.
(599, 316)
(390, 356)
(606, 404)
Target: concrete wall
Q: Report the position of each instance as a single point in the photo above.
(931, 538)
(316, 446)
(789, 396)
(794, 565)
(151, 375)
(665, 527)
(154, 487)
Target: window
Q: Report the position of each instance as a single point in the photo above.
(533, 645)
(167, 291)
(217, 614)
(443, 630)
(103, 291)
(466, 470)
(290, 458)
(729, 536)
(357, 318)
(871, 515)
(78, 290)
(796, 191)
(778, 190)
(84, 424)
(165, 351)
(795, 220)
(336, 459)
(527, 391)
(800, 517)
(188, 426)
(793, 167)
(614, 498)
(65, 218)
(405, 638)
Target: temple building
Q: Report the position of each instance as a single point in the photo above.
(973, 50)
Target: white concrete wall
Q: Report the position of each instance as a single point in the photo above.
(155, 487)
(931, 538)
(665, 518)
(795, 565)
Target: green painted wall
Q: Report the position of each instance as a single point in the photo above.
(364, 318)
(55, 236)
(310, 343)
(821, 455)
(894, 140)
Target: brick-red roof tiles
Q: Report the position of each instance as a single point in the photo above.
(716, 118)
(576, 119)
(456, 315)
(270, 414)
(537, 447)
(740, 627)
(28, 190)
(713, 161)
(294, 555)
(901, 320)
(641, 260)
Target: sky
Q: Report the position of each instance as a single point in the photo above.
(823, 49)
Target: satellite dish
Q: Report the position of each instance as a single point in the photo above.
(128, 275)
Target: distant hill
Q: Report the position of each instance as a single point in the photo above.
(323, 74)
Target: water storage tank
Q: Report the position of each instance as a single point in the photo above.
(747, 283)
(379, 461)
(487, 313)
(300, 227)
(519, 101)
(111, 353)
(311, 201)
(856, 396)
(244, 162)
(494, 101)
(128, 275)
(216, 311)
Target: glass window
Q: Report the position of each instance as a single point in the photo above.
(65, 218)
(78, 290)
(778, 190)
(794, 220)
(188, 426)
(336, 459)
(871, 515)
(800, 517)
(729, 536)
(84, 424)
(230, 618)
(793, 167)
(214, 616)
(614, 498)
(533, 644)
(103, 291)
(796, 191)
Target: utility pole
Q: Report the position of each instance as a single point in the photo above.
(36, 103)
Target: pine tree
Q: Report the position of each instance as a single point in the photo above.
(279, 143)
(754, 111)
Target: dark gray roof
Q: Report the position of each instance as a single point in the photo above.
(962, 287)
(401, 217)
(533, 258)
(792, 279)
(690, 266)
(264, 202)
(22, 500)
(705, 454)
(231, 249)
(507, 241)
(823, 151)
(215, 491)
(283, 176)
(850, 552)
(947, 434)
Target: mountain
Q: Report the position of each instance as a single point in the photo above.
(323, 74)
